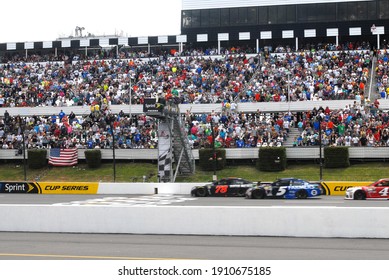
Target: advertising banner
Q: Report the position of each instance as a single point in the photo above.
(19, 187)
(151, 106)
(340, 187)
(49, 187)
(69, 187)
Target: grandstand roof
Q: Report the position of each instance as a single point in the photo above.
(213, 4)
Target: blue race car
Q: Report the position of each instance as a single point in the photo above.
(285, 188)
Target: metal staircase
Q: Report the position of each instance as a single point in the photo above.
(373, 94)
(173, 143)
(182, 152)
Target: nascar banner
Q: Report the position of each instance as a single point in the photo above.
(151, 106)
(50, 187)
(340, 187)
(19, 187)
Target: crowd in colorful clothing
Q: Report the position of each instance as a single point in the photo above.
(198, 77)
(353, 126)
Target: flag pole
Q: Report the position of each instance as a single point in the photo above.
(113, 148)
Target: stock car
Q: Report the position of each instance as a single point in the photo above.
(376, 190)
(231, 186)
(285, 188)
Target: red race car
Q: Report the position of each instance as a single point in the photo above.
(376, 190)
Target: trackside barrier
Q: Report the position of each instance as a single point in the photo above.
(336, 188)
(96, 188)
(49, 187)
(351, 222)
(147, 188)
(307, 153)
(339, 187)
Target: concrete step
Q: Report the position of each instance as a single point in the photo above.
(293, 132)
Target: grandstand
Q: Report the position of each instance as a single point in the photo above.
(250, 25)
(297, 23)
(235, 65)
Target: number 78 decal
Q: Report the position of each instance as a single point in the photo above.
(221, 189)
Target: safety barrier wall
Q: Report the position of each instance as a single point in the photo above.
(96, 188)
(335, 188)
(352, 222)
(195, 108)
(339, 188)
(267, 107)
(147, 188)
(302, 153)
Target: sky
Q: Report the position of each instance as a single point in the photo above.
(47, 20)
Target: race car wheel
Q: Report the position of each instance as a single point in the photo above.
(258, 194)
(301, 194)
(241, 192)
(359, 195)
(201, 192)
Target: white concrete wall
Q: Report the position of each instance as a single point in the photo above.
(195, 108)
(363, 222)
(231, 153)
(146, 188)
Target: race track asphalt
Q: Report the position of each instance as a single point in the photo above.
(181, 200)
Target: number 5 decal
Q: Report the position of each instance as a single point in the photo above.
(221, 189)
(281, 191)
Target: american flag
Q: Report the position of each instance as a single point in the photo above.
(63, 157)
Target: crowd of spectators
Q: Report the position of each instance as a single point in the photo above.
(195, 76)
(382, 72)
(238, 129)
(308, 47)
(96, 130)
(354, 126)
(305, 76)
(84, 83)
(84, 132)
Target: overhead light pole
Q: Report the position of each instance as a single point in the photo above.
(214, 157)
(320, 150)
(288, 94)
(22, 127)
(130, 98)
(112, 120)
